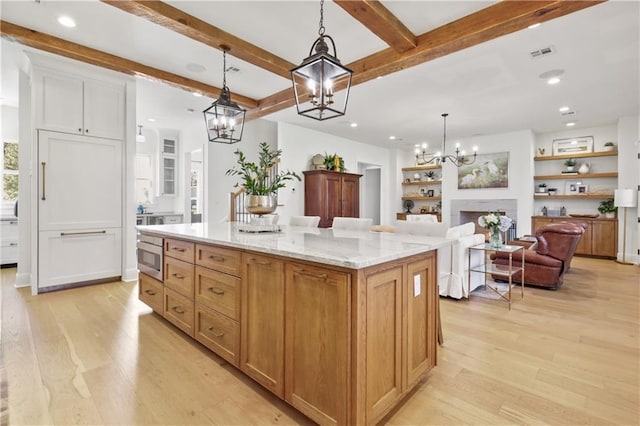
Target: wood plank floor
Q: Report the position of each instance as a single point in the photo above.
(96, 355)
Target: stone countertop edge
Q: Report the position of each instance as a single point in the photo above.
(320, 245)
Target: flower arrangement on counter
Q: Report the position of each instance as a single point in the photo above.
(495, 223)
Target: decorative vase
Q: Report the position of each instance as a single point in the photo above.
(261, 204)
(584, 168)
(610, 215)
(495, 238)
(570, 168)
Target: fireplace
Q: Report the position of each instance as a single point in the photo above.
(463, 211)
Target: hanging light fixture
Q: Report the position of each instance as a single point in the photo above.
(224, 118)
(318, 79)
(140, 137)
(459, 159)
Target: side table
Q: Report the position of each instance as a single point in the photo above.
(505, 271)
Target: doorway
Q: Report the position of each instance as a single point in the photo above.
(370, 191)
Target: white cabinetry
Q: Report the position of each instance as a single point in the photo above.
(168, 165)
(8, 241)
(70, 104)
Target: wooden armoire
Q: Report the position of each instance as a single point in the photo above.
(330, 194)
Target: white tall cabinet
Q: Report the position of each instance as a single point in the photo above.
(80, 136)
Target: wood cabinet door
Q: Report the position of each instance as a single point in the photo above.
(317, 342)
(332, 183)
(384, 342)
(350, 196)
(103, 110)
(604, 238)
(262, 323)
(419, 305)
(584, 245)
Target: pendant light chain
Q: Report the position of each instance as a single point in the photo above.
(321, 28)
(224, 68)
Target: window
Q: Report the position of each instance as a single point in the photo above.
(9, 172)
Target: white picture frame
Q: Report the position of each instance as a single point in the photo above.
(572, 187)
(568, 146)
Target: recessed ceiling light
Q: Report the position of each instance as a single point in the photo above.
(570, 124)
(392, 138)
(564, 109)
(66, 21)
(197, 95)
(191, 110)
(553, 80)
(378, 77)
(151, 120)
(354, 124)
(551, 73)
(532, 26)
(195, 67)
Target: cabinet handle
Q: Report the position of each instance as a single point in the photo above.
(215, 290)
(254, 260)
(181, 250)
(217, 258)
(219, 334)
(13, 222)
(309, 274)
(65, 234)
(179, 276)
(150, 292)
(178, 309)
(86, 130)
(13, 244)
(44, 181)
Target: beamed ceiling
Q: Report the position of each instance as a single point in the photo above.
(404, 49)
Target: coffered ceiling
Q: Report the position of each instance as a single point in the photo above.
(412, 59)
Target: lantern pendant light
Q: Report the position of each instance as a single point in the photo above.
(224, 118)
(321, 83)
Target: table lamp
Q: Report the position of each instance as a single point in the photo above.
(624, 198)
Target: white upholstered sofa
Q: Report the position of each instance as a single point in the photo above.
(452, 261)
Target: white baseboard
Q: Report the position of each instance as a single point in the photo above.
(634, 258)
(23, 280)
(130, 275)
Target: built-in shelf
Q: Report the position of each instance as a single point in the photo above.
(418, 168)
(575, 197)
(423, 182)
(584, 155)
(421, 198)
(579, 176)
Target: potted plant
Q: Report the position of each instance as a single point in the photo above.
(258, 181)
(334, 162)
(570, 164)
(430, 175)
(607, 209)
(609, 146)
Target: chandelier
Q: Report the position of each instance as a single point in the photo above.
(224, 118)
(317, 79)
(459, 159)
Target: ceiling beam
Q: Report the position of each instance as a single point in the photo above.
(91, 56)
(484, 25)
(176, 20)
(381, 22)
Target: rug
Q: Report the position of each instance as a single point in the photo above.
(490, 294)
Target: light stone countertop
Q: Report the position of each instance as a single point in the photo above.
(350, 249)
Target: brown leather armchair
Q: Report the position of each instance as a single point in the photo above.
(546, 264)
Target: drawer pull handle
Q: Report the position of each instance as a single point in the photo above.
(179, 276)
(254, 260)
(13, 244)
(181, 250)
(215, 290)
(44, 181)
(150, 292)
(309, 274)
(217, 258)
(64, 234)
(219, 334)
(178, 309)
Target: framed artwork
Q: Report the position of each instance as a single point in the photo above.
(571, 187)
(488, 171)
(583, 189)
(579, 145)
(430, 193)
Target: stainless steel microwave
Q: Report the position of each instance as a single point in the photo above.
(150, 255)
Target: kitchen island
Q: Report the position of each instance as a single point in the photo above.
(340, 324)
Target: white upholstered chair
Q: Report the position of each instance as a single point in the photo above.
(352, 223)
(425, 218)
(307, 221)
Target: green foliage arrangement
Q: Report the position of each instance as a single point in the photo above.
(330, 162)
(571, 162)
(607, 206)
(256, 179)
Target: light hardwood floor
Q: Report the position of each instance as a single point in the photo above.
(96, 355)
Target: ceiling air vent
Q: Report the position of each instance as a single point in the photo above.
(569, 113)
(545, 51)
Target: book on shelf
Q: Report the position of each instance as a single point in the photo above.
(569, 173)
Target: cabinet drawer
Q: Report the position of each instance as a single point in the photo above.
(178, 275)
(218, 258)
(9, 230)
(177, 249)
(218, 291)
(218, 333)
(151, 292)
(178, 310)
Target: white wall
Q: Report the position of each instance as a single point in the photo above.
(299, 145)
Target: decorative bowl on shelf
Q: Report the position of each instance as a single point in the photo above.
(552, 191)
